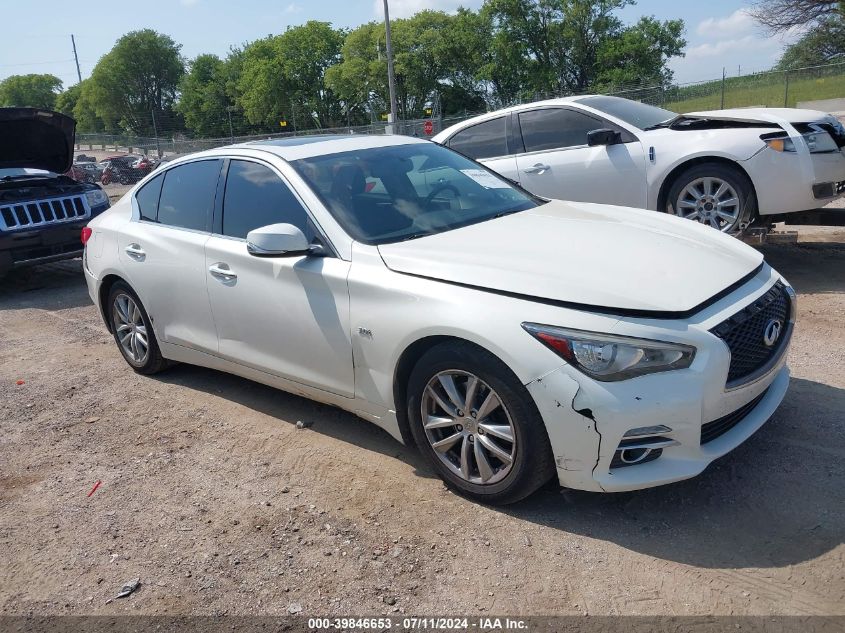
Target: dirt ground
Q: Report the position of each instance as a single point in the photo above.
(220, 505)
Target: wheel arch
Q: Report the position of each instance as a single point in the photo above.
(408, 359)
(676, 171)
(103, 295)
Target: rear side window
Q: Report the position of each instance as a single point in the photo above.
(484, 140)
(187, 195)
(147, 198)
(255, 197)
(553, 128)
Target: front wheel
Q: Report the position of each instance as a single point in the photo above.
(478, 425)
(714, 194)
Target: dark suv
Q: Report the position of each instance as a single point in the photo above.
(42, 212)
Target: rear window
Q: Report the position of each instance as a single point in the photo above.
(187, 195)
(484, 140)
(147, 198)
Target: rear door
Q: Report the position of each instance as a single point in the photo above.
(487, 142)
(163, 252)
(558, 163)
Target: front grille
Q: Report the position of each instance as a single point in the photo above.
(32, 215)
(744, 334)
(717, 428)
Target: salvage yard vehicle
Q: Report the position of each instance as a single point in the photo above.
(511, 338)
(41, 210)
(728, 169)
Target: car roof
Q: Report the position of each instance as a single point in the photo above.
(296, 147)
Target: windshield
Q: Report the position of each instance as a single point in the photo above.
(389, 194)
(638, 114)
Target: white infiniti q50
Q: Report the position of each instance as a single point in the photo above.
(511, 338)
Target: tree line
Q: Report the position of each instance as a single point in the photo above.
(318, 76)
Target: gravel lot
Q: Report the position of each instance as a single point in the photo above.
(213, 497)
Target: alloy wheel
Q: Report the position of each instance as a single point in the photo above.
(130, 327)
(469, 427)
(710, 201)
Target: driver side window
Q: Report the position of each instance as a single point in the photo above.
(255, 196)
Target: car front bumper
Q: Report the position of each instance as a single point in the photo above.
(786, 182)
(587, 420)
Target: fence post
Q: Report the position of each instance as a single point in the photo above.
(786, 90)
(722, 106)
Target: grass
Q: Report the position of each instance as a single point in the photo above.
(757, 90)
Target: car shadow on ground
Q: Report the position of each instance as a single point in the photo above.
(812, 267)
(57, 286)
(777, 500)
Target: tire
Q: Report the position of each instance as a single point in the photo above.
(689, 195)
(482, 429)
(121, 314)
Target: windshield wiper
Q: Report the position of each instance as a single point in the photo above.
(414, 236)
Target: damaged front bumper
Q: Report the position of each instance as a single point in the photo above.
(587, 422)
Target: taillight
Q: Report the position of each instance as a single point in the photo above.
(86, 235)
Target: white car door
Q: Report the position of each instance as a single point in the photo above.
(487, 142)
(288, 316)
(163, 252)
(558, 163)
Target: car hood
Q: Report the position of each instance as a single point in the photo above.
(760, 115)
(36, 139)
(601, 257)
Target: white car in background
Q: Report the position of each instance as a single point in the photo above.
(725, 168)
(513, 339)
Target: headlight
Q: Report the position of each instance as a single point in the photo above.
(818, 141)
(608, 357)
(96, 198)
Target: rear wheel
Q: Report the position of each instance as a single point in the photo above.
(714, 194)
(478, 425)
(133, 331)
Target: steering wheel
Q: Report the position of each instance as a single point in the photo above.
(438, 190)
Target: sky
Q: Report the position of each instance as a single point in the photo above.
(720, 33)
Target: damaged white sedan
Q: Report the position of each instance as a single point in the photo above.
(727, 169)
(511, 338)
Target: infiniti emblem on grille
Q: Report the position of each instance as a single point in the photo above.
(771, 333)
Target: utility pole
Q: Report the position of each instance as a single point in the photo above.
(76, 57)
(155, 131)
(391, 78)
(231, 130)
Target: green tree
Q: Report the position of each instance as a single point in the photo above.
(821, 45)
(208, 97)
(136, 81)
(66, 101)
(34, 91)
(283, 77)
(550, 47)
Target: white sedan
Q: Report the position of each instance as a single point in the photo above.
(725, 168)
(511, 338)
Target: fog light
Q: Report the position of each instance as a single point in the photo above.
(644, 431)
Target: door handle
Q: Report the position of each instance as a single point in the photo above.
(135, 251)
(222, 272)
(538, 168)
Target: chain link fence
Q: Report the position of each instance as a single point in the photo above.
(774, 88)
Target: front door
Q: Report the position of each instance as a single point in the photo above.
(558, 163)
(288, 316)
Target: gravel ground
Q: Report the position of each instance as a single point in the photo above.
(220, 505)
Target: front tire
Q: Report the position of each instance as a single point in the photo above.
(133, 332)
(477, 424)
(714, 194)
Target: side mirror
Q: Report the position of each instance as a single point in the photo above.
(603, 136)
(277, 240)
